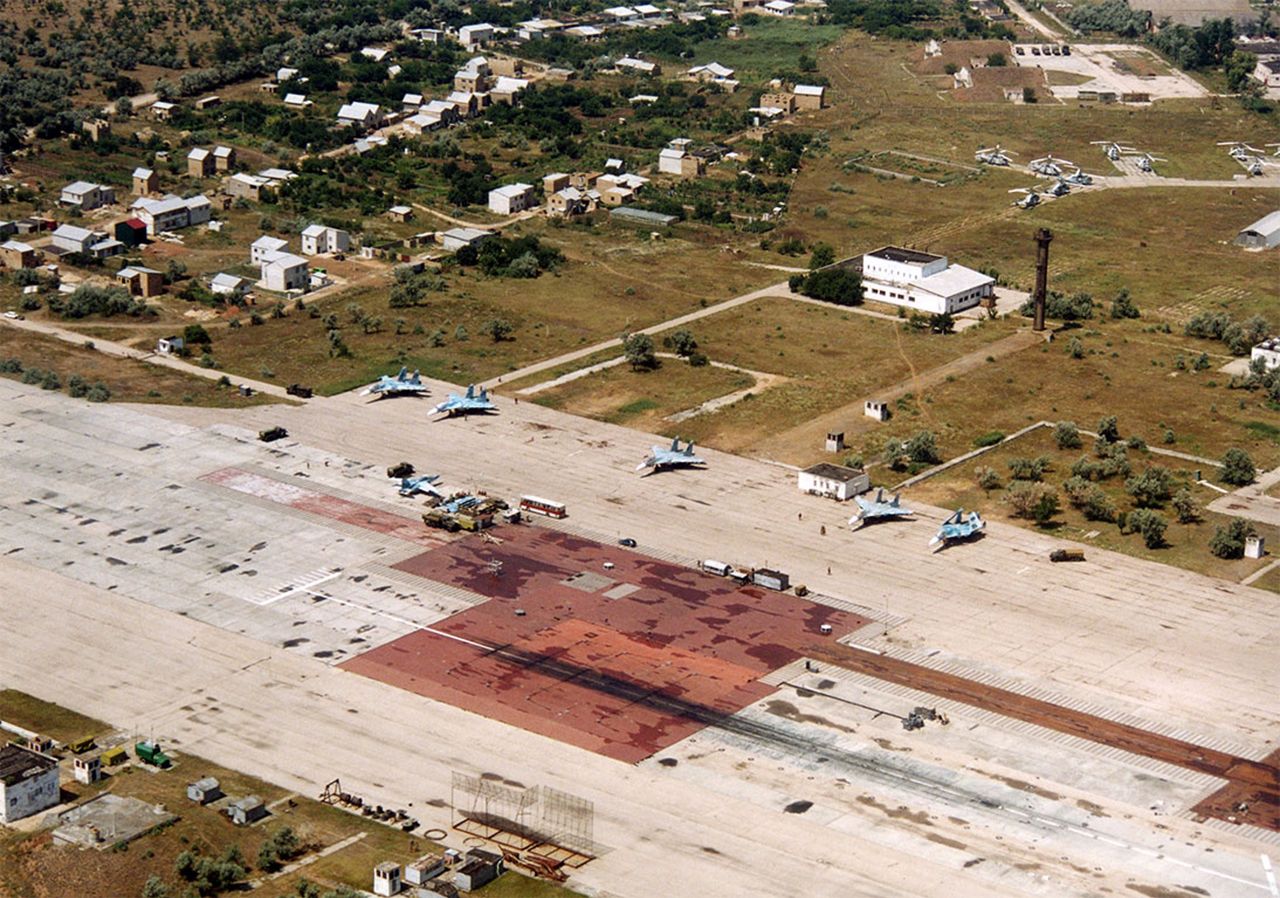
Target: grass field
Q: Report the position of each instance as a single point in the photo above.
(1186, 544)
(32, 867)
(832, 356)
(1126, 372)
(128, 380)
(642, 399)
(767, 49)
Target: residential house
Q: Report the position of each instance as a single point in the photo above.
(208, 102)
(467, 103)
(16, 254)
(228, 285)
(246, 186)
(472, 36)
(297, 101)
(283, 272)
(171, 345)
(363, 116)
(647, 11)
(411, 102)
(455, 239)
(285, 73)
(779, 8)
(712, 72)
(780, 99)
(140, 281)
(1267, 71)
(447, 112)
(172, 213)
(319, 239)
(809, 96)
(634, 66)
(374, 54)
(471, 80)
(400, 213)
(265, 246)
(427, 35)
(73, 239)
(505, 90)
(554, 182)
(512, 198)
(106, 248)
(95, 128)
(161, 111)
(422, 123)
(677, 160)
(536, 29)
(587, 33)
(84, 196)
(621, 15)
(224, 158)
(145, 182)
(200, 163)
(568, 202)
(276, 176)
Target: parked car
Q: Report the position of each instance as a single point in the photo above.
(13, 315)
(628, 542)
(275, 433)
(298, 390)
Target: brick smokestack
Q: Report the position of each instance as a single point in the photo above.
(1043, 237)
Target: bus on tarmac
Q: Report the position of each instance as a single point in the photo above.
(546, 507)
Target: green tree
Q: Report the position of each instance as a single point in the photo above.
(1149, 524)
(196, 335)
(822, 256)
(155, 887)
(1152, 488)
(1075, 348)
(1123, 306)
(895, 454)
(987, 478)
(1032, 500)
(1028, 468)
(1185, 507)
(499, 329)
(1228, 540)
(176, 270)
(1237, 467)
(1066, 435)
(638, 349)
(682, 343)
(942, 323)
(1109, 429)
(923, 448)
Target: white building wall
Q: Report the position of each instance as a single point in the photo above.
(29, 796)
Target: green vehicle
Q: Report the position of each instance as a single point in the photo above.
(150, 753)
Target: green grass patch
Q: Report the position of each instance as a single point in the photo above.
(46, 718)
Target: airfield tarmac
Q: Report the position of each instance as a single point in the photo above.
(284, 561)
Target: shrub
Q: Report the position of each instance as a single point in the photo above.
(923, 448)
(990, 438)
(682, 343)
(1075, 348)
(1109, 429)
(698, 360)
(50, 381)
(836, 285)
(1184, 506)
(1066, 435)
(1028, 468)
(1149, 524)
(986, 478)
(638, 349)
(1123, 306)
(1228, 540)
(1237, 467)
(1033, 500)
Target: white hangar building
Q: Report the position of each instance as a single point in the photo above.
(922, 281)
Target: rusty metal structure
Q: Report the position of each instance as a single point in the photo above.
(1043, 237)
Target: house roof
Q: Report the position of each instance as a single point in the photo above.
(647, 9)
(17, 246)
(222, 279)
(295, 99)
(269, 243)
(1266, 225)
(400, 210)
(712, 68)
(251, 180)
(902, 254)
(315, 230)
(142, 173)
(467, 234)
(284, 260)
(80, 187)
(358, 111)
(809, 90)
(621, 12)
(423, 120)
(198, 153)
(277, 174)
(208, 784)
(136, 224)
(842, 473)
(412, 99)
(505, 85)
(475, 28)
(630, 62)
(512, 190)
(161, 105)
(18, 763)
(71, 232)
(132, 271)
(955, 279)
(223, 151)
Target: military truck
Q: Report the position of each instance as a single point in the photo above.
(270, 436)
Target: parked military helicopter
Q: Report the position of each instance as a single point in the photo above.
(1145, 162)
(1077, 178)
(1113, 149)
(1030, 201)
(1060, 187)
(996, 155)
(1048, 165)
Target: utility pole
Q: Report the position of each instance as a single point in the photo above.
(1043, 237)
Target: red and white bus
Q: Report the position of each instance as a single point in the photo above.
(542, 506)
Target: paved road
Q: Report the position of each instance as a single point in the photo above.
(1252, 501)
(120, 350)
